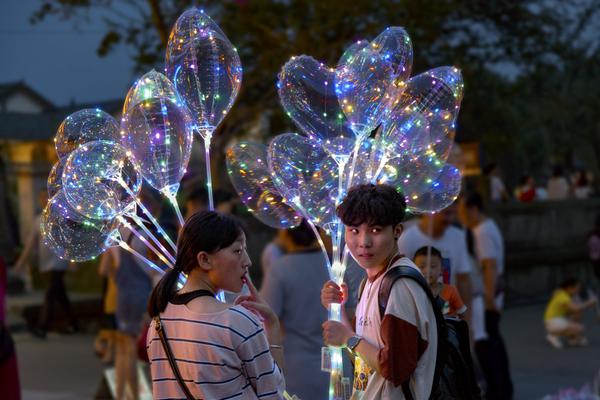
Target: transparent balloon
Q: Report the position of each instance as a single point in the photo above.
(54, 183)
(394, 45)
(157, 129)
(436, 193)
(307, 92)
(84, 126)
(70, 235)
(362, 78)
(248, 169)
(305, 175)
(100, 180)
(366, 166)
(205, 68)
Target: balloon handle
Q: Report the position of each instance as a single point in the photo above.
(207, 138)
(144, 240)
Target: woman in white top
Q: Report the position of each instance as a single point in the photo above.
(220, 351)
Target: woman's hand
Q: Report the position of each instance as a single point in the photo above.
(255, 303)
(332, 293)
(336, 333)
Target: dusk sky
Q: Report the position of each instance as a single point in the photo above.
(58, 61)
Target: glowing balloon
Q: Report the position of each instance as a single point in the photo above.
(394, 45)
(100, 180)
(305, 175)
(84, 126)
(436, 193)
(307, 92)
(54, 183)
(205, 68)
(248, 169)
(364, 169)
(72, 236)
(362, 78)
(157, 129)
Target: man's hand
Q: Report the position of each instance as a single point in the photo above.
(333, 293)
(336, 333)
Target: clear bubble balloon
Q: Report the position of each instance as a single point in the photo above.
(70, 235)
(305, 175)
(84, 126)
(307, 92)
(362, 78)
(205, 68)
(248, 169)
(365, 166)
(54, 183)
(100, 180)
(394, 45)
(436, 193)
(157, 129)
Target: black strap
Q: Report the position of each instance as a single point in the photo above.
(163, 339)
(184, 298)
(390, 277)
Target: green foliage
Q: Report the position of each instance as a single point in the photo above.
(545, 112)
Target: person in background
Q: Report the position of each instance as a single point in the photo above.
(563, 314)
(558, 186)
(489, 251)
(196, 198)
(10, 387)
(582, 188)
(432, 271)
(498, 191)
(225, 201)
(107, 337)
(292, 289)
(54, 269)
(273, 251)
(526, 191)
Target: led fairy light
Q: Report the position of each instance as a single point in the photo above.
(206, 70)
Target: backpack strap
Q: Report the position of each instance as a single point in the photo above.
(406, 272)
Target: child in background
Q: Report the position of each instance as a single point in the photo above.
(453, 304)
(563, 313)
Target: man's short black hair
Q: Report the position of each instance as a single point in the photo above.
(302, 235)
(474, 199)
(372, 204)
(428, 249)
(569, 283)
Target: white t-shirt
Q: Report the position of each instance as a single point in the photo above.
(452, 244)
(409, 314)
(489, 244)
(496, 188)
(558, 188)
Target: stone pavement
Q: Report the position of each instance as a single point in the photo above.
(63, 367)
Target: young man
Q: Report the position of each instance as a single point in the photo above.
(489, 251)
(402, 346)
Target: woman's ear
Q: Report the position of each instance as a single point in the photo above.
(203, 261)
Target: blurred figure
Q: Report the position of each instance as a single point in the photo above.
(225, 201)
(292, 288)
(558, 186)
(432, 271)
(10, 387)
(196, 197)
(498, 191)
(594, 250)
(54, 269)
(489, 251)
(105, 342)
(436, 230)
(272, 251)
(563, 314)
(525, 192)
(582, 188)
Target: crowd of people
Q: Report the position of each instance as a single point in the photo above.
(264, 341)
(561, 185)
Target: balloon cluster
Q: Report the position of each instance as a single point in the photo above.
(364, 121)
(95, 187)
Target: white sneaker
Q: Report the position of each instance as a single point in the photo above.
(554, 341)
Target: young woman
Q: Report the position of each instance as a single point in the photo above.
(220, 351)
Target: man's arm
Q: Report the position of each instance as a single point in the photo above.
(490, 268)
(463, 284)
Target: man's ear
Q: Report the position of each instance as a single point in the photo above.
(203, 261)
(398, 231)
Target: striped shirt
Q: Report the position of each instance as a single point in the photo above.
(222, 355)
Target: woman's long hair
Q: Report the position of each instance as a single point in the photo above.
(206, 231)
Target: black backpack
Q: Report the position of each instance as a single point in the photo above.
(454, 376)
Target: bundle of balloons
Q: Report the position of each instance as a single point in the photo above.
(364, 121)
(95, 186)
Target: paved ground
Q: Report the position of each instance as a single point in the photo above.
(63, 367)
